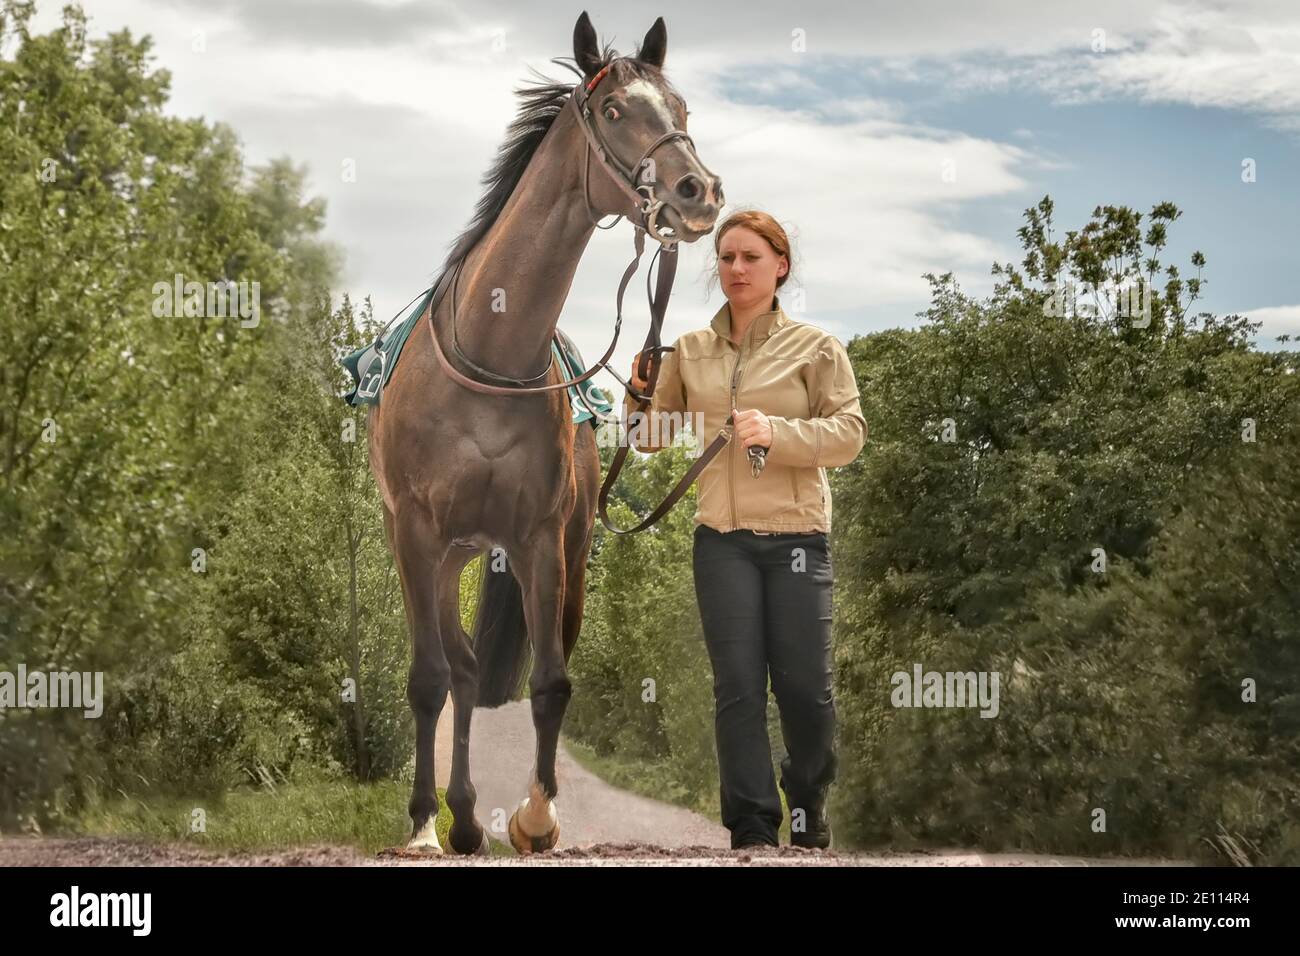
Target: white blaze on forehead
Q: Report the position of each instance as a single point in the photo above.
(647, 92)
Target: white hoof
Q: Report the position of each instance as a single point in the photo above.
(537, 816)
(535, 826)
(426, 841)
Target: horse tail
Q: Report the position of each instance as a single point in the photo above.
(500, 637)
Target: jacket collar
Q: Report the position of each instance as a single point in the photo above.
(762, 326)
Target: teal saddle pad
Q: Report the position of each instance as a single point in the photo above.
(372, 366)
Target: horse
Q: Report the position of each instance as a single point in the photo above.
(465, 471)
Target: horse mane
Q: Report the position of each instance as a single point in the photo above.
(541, 102)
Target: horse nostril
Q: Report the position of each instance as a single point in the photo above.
(689, 187)
(717, 192)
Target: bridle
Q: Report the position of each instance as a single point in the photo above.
(648, 207)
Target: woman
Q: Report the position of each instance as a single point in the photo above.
(762, 560)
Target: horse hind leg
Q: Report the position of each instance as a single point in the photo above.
(419, 555)
(466, 835)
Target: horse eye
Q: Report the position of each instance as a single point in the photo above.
(611, 113)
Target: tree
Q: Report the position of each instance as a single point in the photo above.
(1022, 445)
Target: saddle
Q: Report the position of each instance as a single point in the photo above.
(371, 367)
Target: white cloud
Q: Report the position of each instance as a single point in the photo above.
(863, 190)
(1276, 320)
(420, 95)
(1241, 57)
(1207, 57)
(865, 201)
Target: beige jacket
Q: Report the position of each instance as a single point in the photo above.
(796, 374)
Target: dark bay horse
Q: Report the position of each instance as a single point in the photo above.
(462, 472)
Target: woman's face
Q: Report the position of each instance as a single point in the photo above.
(748, 268)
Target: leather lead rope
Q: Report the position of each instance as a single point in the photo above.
(648, 368)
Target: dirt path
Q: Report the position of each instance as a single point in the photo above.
(600, 825)
(95, 851)
(591, 811)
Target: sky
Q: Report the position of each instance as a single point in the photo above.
(890, 139)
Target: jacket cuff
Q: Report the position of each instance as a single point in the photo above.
(792, 445)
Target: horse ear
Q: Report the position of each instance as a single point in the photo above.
(586, 49)
(655, 45)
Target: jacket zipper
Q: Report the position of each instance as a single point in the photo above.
(731, 458)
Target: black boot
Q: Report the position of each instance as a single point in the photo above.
(817, 828)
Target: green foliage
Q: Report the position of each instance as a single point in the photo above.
(177, 442)
(1121, 690)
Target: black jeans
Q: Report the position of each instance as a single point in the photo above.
(765, 603)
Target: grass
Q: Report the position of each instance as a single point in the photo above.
(335, 812)
(369, 817)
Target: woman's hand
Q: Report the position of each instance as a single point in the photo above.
(637, 381)
(752, 427)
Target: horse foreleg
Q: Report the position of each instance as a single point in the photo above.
(419, 552)
(577, 536)
(535, 825)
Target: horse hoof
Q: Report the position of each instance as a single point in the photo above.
(525, 844)
(425, 840)
(535, 824)
(474, 847)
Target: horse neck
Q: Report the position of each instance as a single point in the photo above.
(516, 278)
